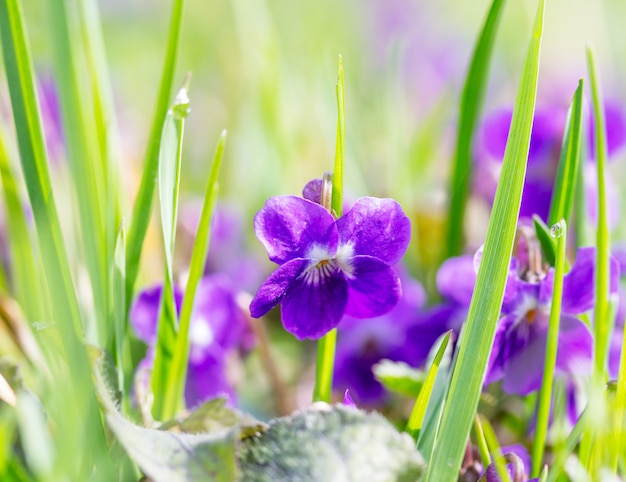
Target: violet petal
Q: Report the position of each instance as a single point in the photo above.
(374, 287)
(376, 227)
(289, 227)
(311, 308)
(456, 279)
(575, 346)
(273, 289)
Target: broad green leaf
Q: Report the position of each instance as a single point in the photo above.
(421, 403)
(478, 333)
(565, 185)
(399, 377)
(143, 202)
(471, 103)
(167, 456)
(177, 371)
(330, 443)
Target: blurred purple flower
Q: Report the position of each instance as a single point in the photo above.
(327, 267)
(51, 117)
(518, 350)
(363, 343)
(517, 463)
(218, 328)
(227, 251)
(543, 158)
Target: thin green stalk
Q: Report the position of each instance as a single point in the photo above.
(481, 442)
(471, 103)
(569, 446)
(495, 451)
(620, 401)
(600, 319)
(326, 345)
(478, 333)
(545, 394)
(143, 202)
(174, 397)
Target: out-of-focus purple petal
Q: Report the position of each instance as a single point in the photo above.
(536, 198)
(311, 309)
(524, 360)
(615, 125)
(273, 289)
(590, 181)
(217, 318)
(456, 279)
(376, 227)
(429, 326)
(578, 284)
(575, 346)
(494, 133)
(374, 287)
(207, 379)
(144, 312)
(289, 227)
(615, 351)
(313, 191)
(495, 365)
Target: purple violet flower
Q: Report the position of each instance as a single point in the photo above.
(543, 158)
(363, 343)
(218, 329)
(327, 267)
(518, 350)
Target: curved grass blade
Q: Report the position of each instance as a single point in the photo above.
(602, 322)
(421, 403)
(177, 372)
(478, 333)
(565, 186)
(20, 76)
(119, 304)
(169, 182)
(143, 202)
(471, 103)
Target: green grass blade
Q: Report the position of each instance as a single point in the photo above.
(143, 202)
(118, 302)
(546, 240)
(327, 344)
(24, 268)
(565, 186)
(84, 156)
(471, 103)
(601, 311)
(169, 183)
(178, 368)
(20, 77)
(478, 333)
(545, 394)
(416, 419)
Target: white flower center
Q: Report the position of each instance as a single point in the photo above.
(324, 264)
(200, 333)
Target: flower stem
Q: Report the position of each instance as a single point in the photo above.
(326, 345)
(545, 395)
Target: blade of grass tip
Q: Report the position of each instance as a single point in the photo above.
(478, 334)
(169, 183)
(601, 311)
(21, 82)
(570, 444)
(119, 303)
(494, 449)
(416, 419)
(178, 369)
(326, 345)
(143, 202)
(481, 442)
(546, 240)
(545, 394)
(567, 171)
(83, 153)
(24, 269)
(471, 103)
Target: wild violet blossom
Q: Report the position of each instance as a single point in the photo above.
(363, 343)
(218, 330)
(327, 267)
(517, 356)
(543, 158)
